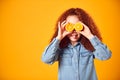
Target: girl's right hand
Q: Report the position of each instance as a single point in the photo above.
(61, 30)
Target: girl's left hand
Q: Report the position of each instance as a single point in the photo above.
(86, 32)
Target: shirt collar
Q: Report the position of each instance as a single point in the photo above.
(71, 46)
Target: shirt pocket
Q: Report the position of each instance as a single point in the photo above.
(66, 59)
(86, 58)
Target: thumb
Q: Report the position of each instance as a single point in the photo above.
(81, 32)
(58, 25)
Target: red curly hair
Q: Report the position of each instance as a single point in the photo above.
(84, 18)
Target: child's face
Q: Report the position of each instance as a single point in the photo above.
(73, 36)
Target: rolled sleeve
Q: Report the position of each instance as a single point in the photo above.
(50, 55)
(101, 51)
(95, 41)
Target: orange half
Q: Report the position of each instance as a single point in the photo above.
(78, 27)
(69, 27)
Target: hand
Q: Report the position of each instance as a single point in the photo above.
(86, 32)
(61, 30)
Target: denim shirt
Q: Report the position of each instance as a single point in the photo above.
(76, 62)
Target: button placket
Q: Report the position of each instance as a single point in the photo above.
(76, 62)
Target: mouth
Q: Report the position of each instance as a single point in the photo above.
(74, 36)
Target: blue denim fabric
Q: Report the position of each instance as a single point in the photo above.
(76, 62)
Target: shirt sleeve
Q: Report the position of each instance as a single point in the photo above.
(101, 52)
(51, 53)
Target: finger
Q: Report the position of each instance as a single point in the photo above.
(58, 24)
(83, 24)
(59, 28)
(63, 22)
(81, 32)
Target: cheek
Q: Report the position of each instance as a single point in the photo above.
(79, 35)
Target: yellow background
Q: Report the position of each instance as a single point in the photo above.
(26, 27)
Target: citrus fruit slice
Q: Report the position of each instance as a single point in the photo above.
(78, 27)
(69, 27)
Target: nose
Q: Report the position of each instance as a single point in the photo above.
(74, 30)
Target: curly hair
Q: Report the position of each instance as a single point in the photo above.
(84, 18)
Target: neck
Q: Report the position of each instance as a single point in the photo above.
(74, 43)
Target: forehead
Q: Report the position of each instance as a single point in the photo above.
(72, 19)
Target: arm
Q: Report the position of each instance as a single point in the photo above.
(101, 52)
(51, 53)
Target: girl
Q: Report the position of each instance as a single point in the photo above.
(76, 50)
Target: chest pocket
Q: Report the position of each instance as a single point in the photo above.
(66, 59)
(86, 58)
